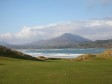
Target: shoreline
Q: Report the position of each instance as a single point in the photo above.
(62, 56)
(59, 53)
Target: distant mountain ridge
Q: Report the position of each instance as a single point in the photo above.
(69, 37)
(66, 40)
(63, 40)
(3, 43)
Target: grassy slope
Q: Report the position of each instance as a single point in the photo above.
(16, 71)
(6, 52)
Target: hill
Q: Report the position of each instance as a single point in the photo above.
(6, 52)
(98, 44)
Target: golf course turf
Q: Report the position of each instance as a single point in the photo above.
(18, 71)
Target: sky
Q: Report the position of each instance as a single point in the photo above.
(24, 21)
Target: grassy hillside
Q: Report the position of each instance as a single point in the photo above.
(5, 52)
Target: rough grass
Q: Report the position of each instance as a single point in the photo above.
(85, 57)
(16, 71)
(106, 55)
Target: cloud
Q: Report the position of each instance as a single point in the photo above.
(94, 3)
(91, 29)
(6, 36)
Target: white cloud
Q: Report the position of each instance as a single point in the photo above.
(6, 36)
(26, 33)
(91, 29)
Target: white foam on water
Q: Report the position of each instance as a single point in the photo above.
(63, 55)
(49, 55)
(54, 55)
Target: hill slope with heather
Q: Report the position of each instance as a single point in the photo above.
(6, 52)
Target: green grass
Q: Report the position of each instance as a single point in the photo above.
(14, 71)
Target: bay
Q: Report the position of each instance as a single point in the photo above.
(60, 53)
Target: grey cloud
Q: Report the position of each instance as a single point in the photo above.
(92, 4)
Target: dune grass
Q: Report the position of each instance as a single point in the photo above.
(16, 71)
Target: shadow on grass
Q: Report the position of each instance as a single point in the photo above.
(2, 64)
(52, 59)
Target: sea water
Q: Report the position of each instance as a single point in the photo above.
(60, 53)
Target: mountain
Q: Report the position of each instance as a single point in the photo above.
(67, 37)
(3, 43)
(64, 41)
